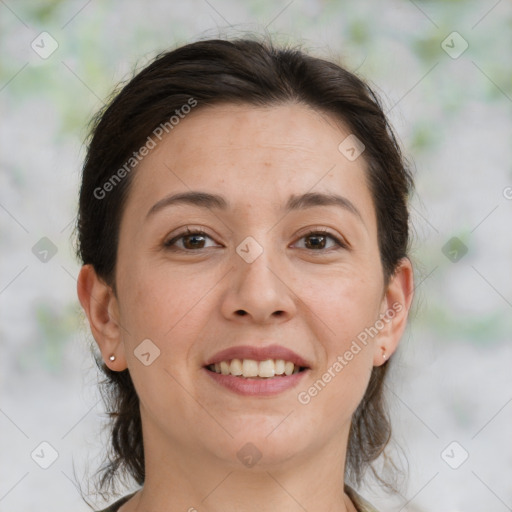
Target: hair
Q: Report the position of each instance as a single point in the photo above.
(238, 71)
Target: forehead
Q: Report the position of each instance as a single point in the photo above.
(245, 131)
(253, 155)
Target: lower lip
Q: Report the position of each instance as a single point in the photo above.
(258, 386)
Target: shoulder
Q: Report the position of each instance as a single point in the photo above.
(115, 506)
(360, 503)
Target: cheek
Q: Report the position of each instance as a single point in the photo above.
(343, 301)
(344, 308)
(339, 386)
(158, 300)
(164, 306)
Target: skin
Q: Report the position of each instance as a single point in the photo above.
(314, 301)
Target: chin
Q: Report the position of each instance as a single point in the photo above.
(267, 448)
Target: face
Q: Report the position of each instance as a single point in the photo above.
(254, 267)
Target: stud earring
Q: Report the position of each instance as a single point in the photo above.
(384, 356)
(112, 357)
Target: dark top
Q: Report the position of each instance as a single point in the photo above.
(360, 504)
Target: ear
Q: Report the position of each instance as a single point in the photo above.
(100, 305)
(394, 312)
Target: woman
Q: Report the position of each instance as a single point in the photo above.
(243, 228)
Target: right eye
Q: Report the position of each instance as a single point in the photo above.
(188, 241)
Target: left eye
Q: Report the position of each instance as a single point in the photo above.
(318, 240)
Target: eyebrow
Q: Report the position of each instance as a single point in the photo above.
(218, 202)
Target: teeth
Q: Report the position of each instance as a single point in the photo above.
(236, 367)
(267, 368)
(224, 368)
(279, 365)
(251, 368)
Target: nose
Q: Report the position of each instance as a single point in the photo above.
(259, 292)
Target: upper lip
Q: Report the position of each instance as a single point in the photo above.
(258, 354)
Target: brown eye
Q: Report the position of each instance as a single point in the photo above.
(318, 241)
(188, 241)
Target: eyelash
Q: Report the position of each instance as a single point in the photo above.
(322, 232)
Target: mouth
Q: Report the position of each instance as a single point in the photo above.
(252, 369)
(257, 371)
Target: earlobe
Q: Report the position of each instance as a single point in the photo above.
(396, 303)
(100, 306)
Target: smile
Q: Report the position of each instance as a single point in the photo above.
(251, 368)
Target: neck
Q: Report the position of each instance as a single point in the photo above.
(186, 478)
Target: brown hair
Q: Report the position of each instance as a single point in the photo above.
(253, 72)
